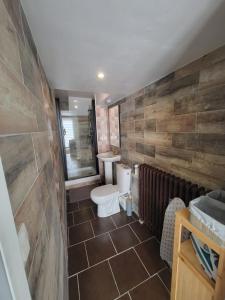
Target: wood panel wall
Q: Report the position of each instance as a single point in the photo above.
(178, 123)
(30, 154)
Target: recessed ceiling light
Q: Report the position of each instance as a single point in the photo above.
(101, 75)
(75, 106)
(74, 100)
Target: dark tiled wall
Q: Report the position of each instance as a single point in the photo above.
(178, 122)
(30, 154)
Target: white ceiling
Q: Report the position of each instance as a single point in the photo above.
(134, 42)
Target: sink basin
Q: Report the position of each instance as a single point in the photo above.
(108, 158)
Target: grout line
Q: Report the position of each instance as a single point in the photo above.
(120, 296)
(142, 262)
(148, 239)
(134, 287)
(112, 242)
(78, 287)
(85, 247)
(135, 233)
(163, 283)
(104, 260)
(93, 212)
(92, 228)
(113, 277)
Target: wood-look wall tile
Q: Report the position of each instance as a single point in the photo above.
(182, 123)
(211, 122)
(173, 156)
(139, 102)
(139, 128)
(204, 100)
(16, 107)
(36, 275)
(209, 143)
(19, 166)
(145, 149)
(28, 35)
(31, 213)
(14, 8)
(158, 138)
(213, 75)
(31, 74)
(163, 108)
(41, 148)
(150, 125)
(177, 84)
(9, 50)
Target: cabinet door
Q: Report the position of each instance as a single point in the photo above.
(189, 285)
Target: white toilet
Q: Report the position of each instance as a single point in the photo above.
(107, 197)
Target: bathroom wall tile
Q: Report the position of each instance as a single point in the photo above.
(16, 106)
(208, 99)
(211, 122)
(41, 148)
(150, 125)
(14, 10)
(30, 70)
(9, 50)
(213, 75)
(37, 270)
(162, 109)
(19, 166)
(31, 213)
(184, 123)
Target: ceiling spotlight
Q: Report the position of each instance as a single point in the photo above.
(75, 100)
(76, 107)
(101, 75)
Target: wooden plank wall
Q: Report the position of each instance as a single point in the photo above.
(178, 123)
(30, 154)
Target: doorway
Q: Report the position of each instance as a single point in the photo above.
(78, 134)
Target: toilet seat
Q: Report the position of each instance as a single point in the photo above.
(102, 193)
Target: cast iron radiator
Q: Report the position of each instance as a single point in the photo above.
(156, 188)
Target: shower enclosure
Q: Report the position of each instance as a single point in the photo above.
(78, 133)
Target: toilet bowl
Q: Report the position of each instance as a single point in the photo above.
(107, 196)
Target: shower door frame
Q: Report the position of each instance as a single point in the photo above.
(62, 140)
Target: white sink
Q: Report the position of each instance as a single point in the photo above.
(108, 158)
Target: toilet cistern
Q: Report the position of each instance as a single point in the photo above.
(108, 158)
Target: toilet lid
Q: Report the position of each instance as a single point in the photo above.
(104, 190)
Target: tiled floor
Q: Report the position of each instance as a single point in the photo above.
(112, 258)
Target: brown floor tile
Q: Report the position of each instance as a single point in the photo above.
(128, 270)
(141, 230)
(102, 225)
(79, 233)
(123, 238)
(95, 211)
(73, 289)
(97, 283)
(83, 215)
(149, 253)
(124, 297)
(72, 206)
(86, 203)
(122, 219)
(151, 289)
(70, 219)
(99, 248)
(165, 276)
(77, 259)
(81, 193)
